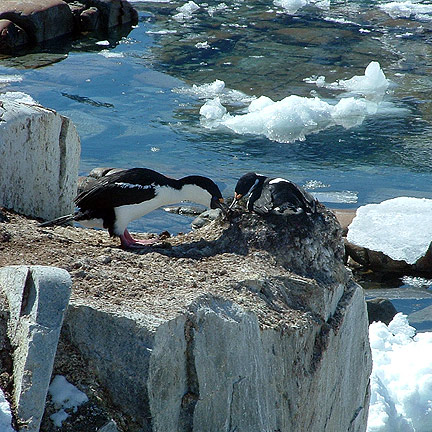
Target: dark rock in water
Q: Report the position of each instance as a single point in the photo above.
(30, 23)
(380, 309)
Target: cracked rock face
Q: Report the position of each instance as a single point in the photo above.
(248, 324)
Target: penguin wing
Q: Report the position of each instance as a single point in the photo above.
(122, 188)
(263, 204)
(288, 195)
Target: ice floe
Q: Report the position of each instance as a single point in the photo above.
(401, 380)
(401, 228)
(295, 117)
(186, 11)
(407, 9)
(292, 6)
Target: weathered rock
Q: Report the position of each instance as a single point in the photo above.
(42, 20)
(37, 298)
(33, 22)
(12, 36)
(109, 427)
(265, 330)
(380, 309)
(40, 151)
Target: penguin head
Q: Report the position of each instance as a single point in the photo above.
(247, 184)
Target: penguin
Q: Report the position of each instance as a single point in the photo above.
(276, 195)
(114, 200)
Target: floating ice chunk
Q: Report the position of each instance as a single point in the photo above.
(292, 6)
(216, 88)
(405, 9)
(64, 396)
(346, 197)
(5, 414)
(202, 45)
(5, 79)
(213, 109)
(110, 54)
(103, 43)
(260, 103)
(186, 11)
(401, 228)
(294, 117)
(401, 380)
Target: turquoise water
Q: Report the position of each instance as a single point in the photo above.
(132, 104)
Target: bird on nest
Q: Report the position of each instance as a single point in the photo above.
(276, 195)
(114, 200)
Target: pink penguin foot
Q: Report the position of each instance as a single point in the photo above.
(128, 242)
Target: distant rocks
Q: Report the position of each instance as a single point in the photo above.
(33, 22)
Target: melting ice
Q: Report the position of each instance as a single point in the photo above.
(406, 9)
(401, 380)
(295, 117)
(292, 6)
(401, 228)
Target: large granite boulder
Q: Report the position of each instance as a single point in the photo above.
(39, 153)
(25, 23)
(251, 324)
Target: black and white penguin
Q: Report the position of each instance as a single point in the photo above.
(114, 200)
(273, 195)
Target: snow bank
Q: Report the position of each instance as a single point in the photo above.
(65, 396)
(5, 414)
(401, 228)
(295, 117)
(406, 9)
(401, 380)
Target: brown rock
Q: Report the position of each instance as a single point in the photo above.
(42, 20)
(11, 36)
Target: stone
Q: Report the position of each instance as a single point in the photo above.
(40, 152)
(12, 36)
(265, 329)
(380, 309)
(109, 427)
(206, 217)
(114, 12)
(37, 298)
(42, 20)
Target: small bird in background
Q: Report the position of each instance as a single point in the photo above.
(273, 195)
(114, 200)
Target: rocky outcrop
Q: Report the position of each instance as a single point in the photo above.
(261, 328)
(29, 23)
(35, 299)
(40, 151)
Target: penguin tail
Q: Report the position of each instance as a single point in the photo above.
(62, 220)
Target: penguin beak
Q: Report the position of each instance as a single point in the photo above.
(237, 197)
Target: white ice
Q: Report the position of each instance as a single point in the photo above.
(401, 380)
(216, 89)
(401, 228)
(185, 12)
(65, 396)
(406, 9)
(5, 414)
(295, 117)
(292, 6)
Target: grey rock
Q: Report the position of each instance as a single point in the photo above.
(283, 347)
(37, 180)
(380, 309)
(109, 427)
(37, 298)
(205, 218)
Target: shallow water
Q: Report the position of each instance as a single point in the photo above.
(132, 103)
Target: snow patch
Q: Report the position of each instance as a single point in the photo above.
(65, 396)
(5, 414)
(401, 380)
(401, 228)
